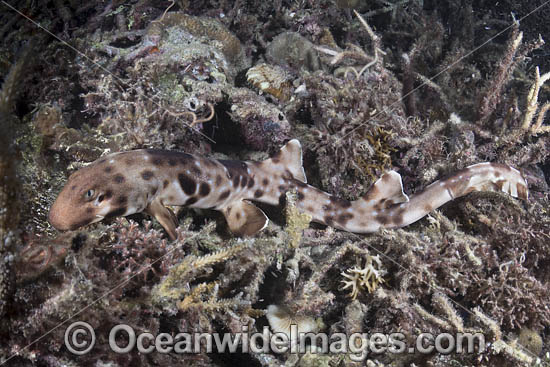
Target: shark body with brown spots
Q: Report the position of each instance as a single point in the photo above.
(125, 183)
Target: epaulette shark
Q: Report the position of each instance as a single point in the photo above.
(125, 183)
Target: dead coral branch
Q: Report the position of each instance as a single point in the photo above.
(502, 75)
(515, 53)
(357, 53)
(533, 105)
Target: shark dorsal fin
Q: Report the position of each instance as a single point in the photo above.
(386, 191)
(244, 218)
(289, 158)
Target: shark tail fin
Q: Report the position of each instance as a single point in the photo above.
(489, 177)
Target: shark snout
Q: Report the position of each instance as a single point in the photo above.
(58, 217)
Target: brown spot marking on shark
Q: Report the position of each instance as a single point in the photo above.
(372, 193)
(209, 163)
(108, 169)
(172, 162)
(118, 178)
(224, 195)
(89, 210)
(165, 184)
(380, 204)
(192, 200)
(234, 168)
(287, 174)
(186, 159)
(188, 185)
(244, 181)
(277, 157)
(236, 180)
(329, 220)
(343, 218)
(108, 194)
(129, 161)
(309, 208)
(147, 175)
(497, 173)
(204, 189)
(157, 161)
(428, 207)
(238, 215)
(164, 155)
(500, 166)
(265, 182)
(386, 178)
(73, 187)
(300, 196)
(342, 203)
(398, 217)
(218, 180)
(250, 182)
(500, 184)
(122, 200)
(116, 212)
(258, 194)
(383, 219)
(522, 191)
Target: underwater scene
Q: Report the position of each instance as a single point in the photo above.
(332, 183)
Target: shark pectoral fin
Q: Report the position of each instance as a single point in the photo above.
(165, 216)
(244, 219)
(386, 191)
(289, 158)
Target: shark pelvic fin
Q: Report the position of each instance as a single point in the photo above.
(165, 216)
(244, 218)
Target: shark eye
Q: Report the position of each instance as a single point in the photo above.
(89, 194)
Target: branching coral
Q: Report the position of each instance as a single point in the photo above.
(176, 284)
(205, 297)
(366, 277)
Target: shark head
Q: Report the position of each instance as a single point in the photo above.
(88, 197)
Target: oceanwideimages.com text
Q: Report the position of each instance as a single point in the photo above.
(80, 338)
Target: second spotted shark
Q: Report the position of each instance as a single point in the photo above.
(148, 180)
